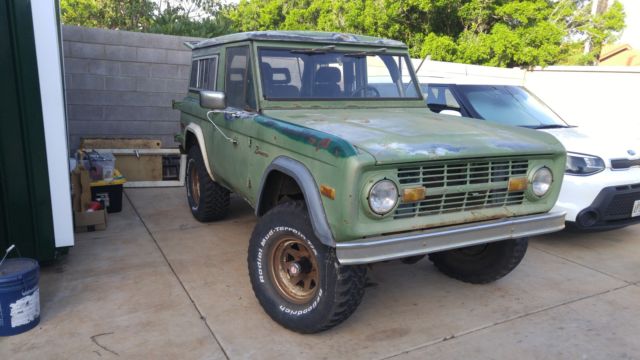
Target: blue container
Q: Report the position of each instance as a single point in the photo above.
(19, 296)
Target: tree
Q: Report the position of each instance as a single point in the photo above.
(198, 18)
(489, 32)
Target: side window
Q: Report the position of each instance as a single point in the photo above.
(208, 78)
(193, 82)
(238, 82)
(441, 96)
(204, 73)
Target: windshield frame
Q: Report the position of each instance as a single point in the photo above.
(462, 95)
(337, 102)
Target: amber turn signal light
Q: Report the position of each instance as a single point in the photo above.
(518, 184)
(328, 191)
(414, 194)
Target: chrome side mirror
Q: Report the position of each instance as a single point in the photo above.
(214, 100)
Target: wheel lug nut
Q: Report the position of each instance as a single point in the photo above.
(295, 269)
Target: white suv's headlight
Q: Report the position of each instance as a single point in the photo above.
(579, 164)
(541, 181)
(383, 197)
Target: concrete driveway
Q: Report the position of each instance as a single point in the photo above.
(158, 284)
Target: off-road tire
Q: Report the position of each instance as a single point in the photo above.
(339, 289)
(213, 200)
(481, 264)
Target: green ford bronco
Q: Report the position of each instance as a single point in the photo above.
(328, 138)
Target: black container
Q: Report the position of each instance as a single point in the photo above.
(109, 195)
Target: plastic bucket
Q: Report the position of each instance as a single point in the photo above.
(19, 296)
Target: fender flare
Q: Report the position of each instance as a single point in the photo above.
(197, 132)
(307, 184)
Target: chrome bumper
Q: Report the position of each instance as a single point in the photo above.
(397, 246)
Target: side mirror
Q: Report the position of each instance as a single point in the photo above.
(450, 112)
(214, 100)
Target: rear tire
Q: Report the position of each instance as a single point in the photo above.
(298, 280)
(481, 264)
(207, 199)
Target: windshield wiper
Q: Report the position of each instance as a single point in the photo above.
(550, 126)
(320, 50)
(367, 53)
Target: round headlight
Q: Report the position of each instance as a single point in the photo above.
(541, 181)
(383, 197)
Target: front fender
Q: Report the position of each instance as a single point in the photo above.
(197, 132)
(307, 184)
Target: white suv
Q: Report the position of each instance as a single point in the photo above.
(602, 188)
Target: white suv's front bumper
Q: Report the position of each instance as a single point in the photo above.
(579, 193)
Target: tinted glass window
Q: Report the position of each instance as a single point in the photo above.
(440, 95)
(509, 105)
(204, 73)
(193, 82)
(208, 77)
(328, 74)
(238, 81)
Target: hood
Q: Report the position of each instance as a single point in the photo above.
(605, 146)
(394, 135)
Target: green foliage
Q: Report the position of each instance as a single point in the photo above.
(489, 32)
(198, 18)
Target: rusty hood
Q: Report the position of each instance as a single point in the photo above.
(394, 135)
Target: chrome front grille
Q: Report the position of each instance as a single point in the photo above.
(461, 186)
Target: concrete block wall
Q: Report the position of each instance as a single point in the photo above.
(120, 83)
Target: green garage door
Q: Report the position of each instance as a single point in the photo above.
(25, 204)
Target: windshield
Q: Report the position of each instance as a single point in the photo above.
(510, 105)
(323, 74)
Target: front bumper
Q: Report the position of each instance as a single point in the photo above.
(403, 245)
(611, 209)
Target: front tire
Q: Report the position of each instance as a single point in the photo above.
(298, 280)
(481, 264)
(207, 199)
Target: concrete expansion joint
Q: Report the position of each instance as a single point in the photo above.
(586, 266)
(507, 320)
(175, 274)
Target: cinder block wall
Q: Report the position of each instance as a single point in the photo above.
(120, 83)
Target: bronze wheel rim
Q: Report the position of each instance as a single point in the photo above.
(294, 270)
(195, 183)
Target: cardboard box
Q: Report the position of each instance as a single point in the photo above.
(80, 189)
(90, 221)
(81, 198)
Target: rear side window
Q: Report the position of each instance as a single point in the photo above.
(204, 73)
(239, 88)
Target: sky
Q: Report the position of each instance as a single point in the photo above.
(631, 34)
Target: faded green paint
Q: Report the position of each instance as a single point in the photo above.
(349, 144)
(321, 140)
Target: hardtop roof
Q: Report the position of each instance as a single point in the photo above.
(298, 36)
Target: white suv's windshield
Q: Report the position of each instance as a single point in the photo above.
(510, 105)
(321, 74)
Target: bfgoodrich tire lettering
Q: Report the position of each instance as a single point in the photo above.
(207, 199)
(481, 264)
(321, 299)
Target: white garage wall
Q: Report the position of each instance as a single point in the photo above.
(592, 97)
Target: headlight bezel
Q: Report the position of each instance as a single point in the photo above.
(370, 194)
(573, 156)
(532, 179)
